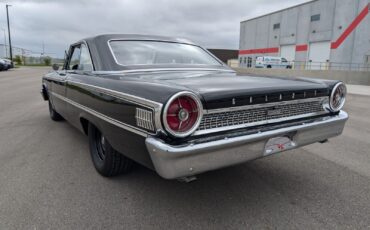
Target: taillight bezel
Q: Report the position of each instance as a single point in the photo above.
(343, 100)
(187, 133)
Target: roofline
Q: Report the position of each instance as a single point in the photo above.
(139, 37)
(274, 12)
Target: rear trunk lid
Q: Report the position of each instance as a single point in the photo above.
(220, 90)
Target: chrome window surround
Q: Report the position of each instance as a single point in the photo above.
(144, 119)
(161, 70)
(323, 100)
(340, 84)
(76, 44)
(155, 40)
(196, 125)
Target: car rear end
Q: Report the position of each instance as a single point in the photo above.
(196, 139)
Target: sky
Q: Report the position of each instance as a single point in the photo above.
(56, 24)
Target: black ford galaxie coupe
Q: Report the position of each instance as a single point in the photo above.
(171, 106)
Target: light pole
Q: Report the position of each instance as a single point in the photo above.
(5, 49)
(10, 40)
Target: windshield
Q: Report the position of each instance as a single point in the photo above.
(159, 53)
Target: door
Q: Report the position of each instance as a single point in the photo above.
(319, 56)
(79, 70)
(288, 52)
(249, 63)
(57, 91)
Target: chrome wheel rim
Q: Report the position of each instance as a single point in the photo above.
(100, 146)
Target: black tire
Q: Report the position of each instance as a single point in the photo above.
(54, 115)
(107, 161)
(268, 67)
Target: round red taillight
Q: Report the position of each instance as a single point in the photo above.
(182, 114)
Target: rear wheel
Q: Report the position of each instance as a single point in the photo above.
(107, 161)
(54, 115)
(268, 67)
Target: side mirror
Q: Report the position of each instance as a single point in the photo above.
(55, 67)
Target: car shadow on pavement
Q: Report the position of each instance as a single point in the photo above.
(293, 188)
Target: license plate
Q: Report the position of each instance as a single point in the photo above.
(278, 144)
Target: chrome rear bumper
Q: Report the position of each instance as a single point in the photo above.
(173, 162)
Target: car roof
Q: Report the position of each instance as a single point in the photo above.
(108, 37)
(105, 61)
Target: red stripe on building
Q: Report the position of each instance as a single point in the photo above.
(260, 51)
(301, 48)
(351, 27)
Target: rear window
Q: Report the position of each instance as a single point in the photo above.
(159, 53)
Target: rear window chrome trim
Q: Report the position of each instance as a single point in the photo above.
(164, 41)
(162, 70)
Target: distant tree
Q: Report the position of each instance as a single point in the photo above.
(18, 59)
(47, 61)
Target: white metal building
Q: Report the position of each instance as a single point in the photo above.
(320, 33)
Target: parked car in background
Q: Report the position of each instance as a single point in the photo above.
(173, 107)
(5, 64)
(2, 65)
(272, 62)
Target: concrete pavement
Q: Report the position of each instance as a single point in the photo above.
(47, 180)
(359, 89)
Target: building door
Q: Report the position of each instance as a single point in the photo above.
(288, 52)
(319, 56)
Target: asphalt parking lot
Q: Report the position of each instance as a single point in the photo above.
(47, 180)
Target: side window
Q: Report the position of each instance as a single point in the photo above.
(80, 59)
(85, 59)
(75, 58)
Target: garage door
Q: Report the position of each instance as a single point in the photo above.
(288, 52)
(319, 55)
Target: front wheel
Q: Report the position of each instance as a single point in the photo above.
(54, 115)
(107, 161)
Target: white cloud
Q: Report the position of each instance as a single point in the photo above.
(211, 23)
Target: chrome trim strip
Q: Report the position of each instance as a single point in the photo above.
(161, 70)
(103, 117)
(138, 100)
(246, 107)
(323, 100)
(54, 79)
(155, 106)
